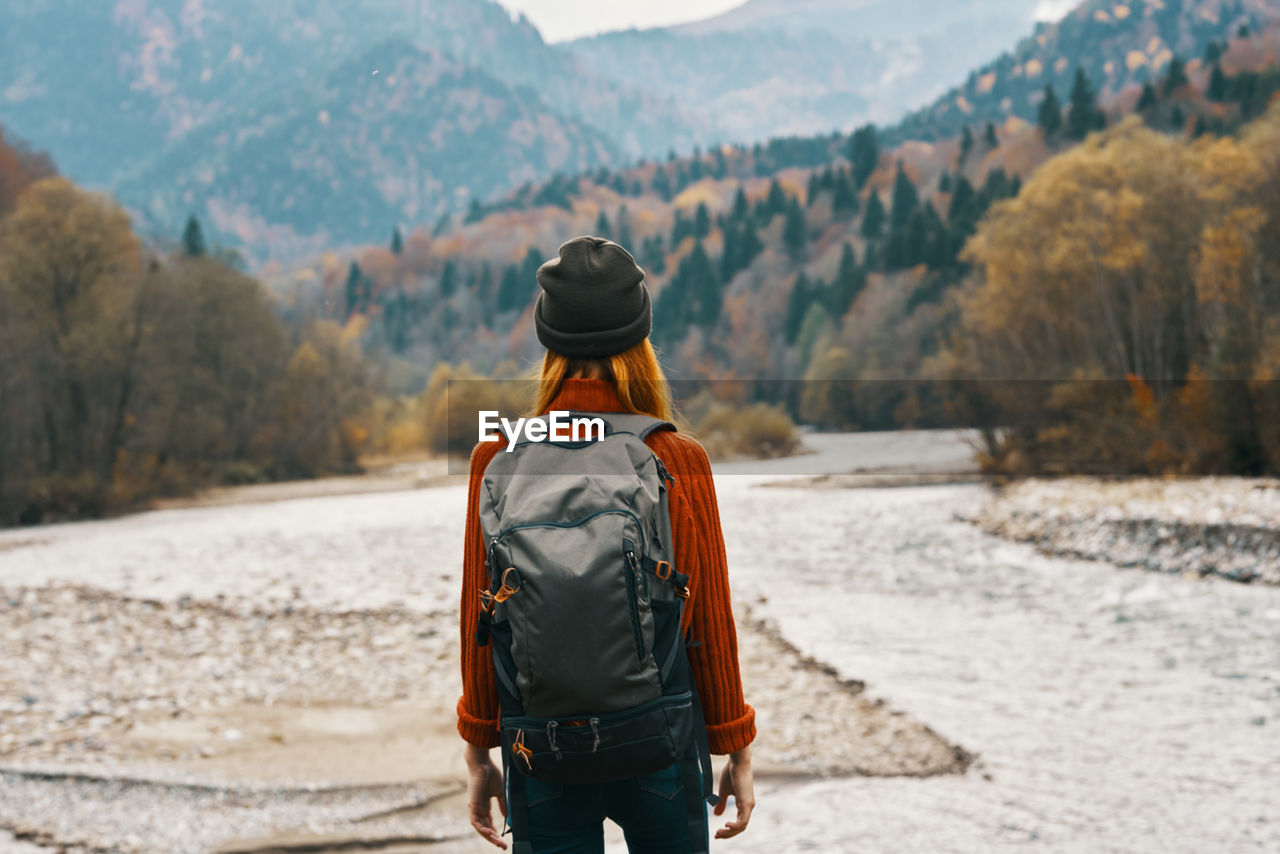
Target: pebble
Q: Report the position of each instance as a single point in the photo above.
(1210, 526)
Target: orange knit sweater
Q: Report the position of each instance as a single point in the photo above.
(699, 552)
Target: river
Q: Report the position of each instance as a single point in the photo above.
(1112, 710)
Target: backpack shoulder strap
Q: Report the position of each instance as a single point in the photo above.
(629, 422)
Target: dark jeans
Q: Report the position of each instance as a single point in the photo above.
(569, 819)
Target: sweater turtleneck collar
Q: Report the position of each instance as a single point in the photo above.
(587, 395)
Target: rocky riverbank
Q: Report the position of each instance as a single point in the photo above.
(1212, 526)
(143, 725)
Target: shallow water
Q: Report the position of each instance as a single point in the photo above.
(1113, 710)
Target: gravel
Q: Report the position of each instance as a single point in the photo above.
(1225, 527)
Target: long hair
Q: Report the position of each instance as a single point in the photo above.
(635, 372)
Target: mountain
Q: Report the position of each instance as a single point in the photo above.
(788, 259)
(382, 139)
(782, 67)
(1116, 44)
(126, 94)
(866, 19)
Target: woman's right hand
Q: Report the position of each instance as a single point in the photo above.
(737, 780)
(484, 783)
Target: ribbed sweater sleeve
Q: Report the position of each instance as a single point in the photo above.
(478, 705)
(700, 552)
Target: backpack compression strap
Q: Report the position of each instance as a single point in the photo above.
(627, 422)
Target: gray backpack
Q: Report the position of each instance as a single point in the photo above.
(582, 614)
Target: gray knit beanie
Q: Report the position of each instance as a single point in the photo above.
(593, 301)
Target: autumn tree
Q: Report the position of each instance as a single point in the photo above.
(1147, 297)
(20, 167)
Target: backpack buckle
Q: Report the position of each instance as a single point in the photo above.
(683, 592)
(663, 570)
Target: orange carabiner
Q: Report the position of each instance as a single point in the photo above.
(519, 749)
(507, 590)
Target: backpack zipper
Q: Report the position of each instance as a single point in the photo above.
(633, 595)
(571, 524)
(530, 722)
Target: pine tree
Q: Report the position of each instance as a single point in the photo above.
(193, 244)
(740, 206)
(529, 270)
(448, 279)
(509, 288)
(662, 184)
(873, 219)
(1082, 111)
(353, 287)
(864, 154)
(905, 199)
(794, 230)
(1049, 116)
(844, 201)
(990, 138)
(655, 259)
(849, 282)
(602, 226)
(705, 287)
(701, 221)
(944, 183)
(680, 229)
(1148, 98)
(1217, 90)
(811, 192)
(1178, 119)
(1176, 77)
(776, 201)
(797, 305)
(397, 241)
(966, 146)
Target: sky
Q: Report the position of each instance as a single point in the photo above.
(559, 20)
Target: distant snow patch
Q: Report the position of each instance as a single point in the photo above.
(1053, 10)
